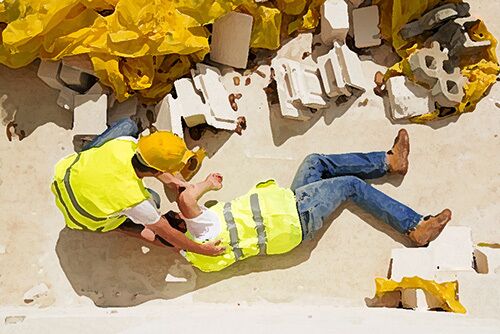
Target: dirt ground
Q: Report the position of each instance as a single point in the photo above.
(453, 163)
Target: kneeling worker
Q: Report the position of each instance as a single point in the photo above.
(100, 187)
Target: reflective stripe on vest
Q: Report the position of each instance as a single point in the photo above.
(233, 230)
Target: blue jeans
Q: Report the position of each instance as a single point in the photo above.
(121, 128)
(323, 182)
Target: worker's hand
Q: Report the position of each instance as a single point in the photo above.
(214, 181)
(212, 248)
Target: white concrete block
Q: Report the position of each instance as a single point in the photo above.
(453, 249)
(331, 75)
(89, 115)
(168, 118)
(487, 260)
(352, 71)
(207, 80)
(295, 48)
(334, 21)
(48, 72)
(407, 98)
(307, 85)
(70, 75)
(122, 110)
(287, 92)
(409, 262)
(366, 30)
(419, 300)
(231, 39)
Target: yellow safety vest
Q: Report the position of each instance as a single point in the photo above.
(94, 186)
(264, 221)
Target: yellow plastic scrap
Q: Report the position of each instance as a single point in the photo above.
(481, 69)
(445, 292)
(125, 39)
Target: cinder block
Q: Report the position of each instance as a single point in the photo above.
(453, 249)
(419, 300)
(366, 31)
(231, 39)
(48, 72)
(80, 62)
(331, 75)
(295, 48)
(407, 98)
(307, 86)
(66, 98)
(76, 79)
(409, 262)
(449, 88)
(207, 80)
(122, 110)
(287, 92)
(434, 18)
(89, 115)
(427, 64)
(487, 260)
(352, 71)
(334, 21)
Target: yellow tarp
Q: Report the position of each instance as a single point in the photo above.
(137, 45)
(445, 292)
(481, 70)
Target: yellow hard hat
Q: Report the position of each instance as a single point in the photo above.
(164, 151)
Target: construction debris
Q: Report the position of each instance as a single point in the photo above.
(35, 292)
(331, 75)
(366, 31)
(434, 18)
(231, 39)
(407, 99)
(90, 114)
(334, 21)
(145, 249)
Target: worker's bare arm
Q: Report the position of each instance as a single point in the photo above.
(174, 182)
(188, 199)
(163, 229)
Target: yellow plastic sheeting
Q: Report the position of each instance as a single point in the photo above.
(445, 292)
(481, 69)
(123, 37)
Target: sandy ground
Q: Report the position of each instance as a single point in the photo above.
(453, 163)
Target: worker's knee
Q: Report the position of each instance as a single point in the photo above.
(350, 184)
(312, 160)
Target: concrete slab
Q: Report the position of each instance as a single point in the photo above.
(366, 31)
(89, 115)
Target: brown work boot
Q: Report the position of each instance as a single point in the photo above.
(397, 157)
(429, 228)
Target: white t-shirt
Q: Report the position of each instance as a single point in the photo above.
(205, 227)
(144, 213)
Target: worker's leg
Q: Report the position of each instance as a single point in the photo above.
(317, 201)
(316, 167)
(121, 128)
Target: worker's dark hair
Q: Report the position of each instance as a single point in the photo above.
(140, 167)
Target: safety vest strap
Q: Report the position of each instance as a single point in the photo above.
(259, 224)
(68, 212)
(233, 231)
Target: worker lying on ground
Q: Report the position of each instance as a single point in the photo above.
(100, 187)
(274, 220)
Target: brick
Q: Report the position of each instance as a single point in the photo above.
(331, 75)
(334, 21)
(307, 85)
(48, 72)
(89, 115)
(407, 99)
(352, 72)
(366, 31)
(231, 39)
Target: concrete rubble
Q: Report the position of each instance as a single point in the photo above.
(231, 39)
(334, 21)
(451, 257)
(365, 21)
(35, 292)
(90, 114)
(407, 99)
